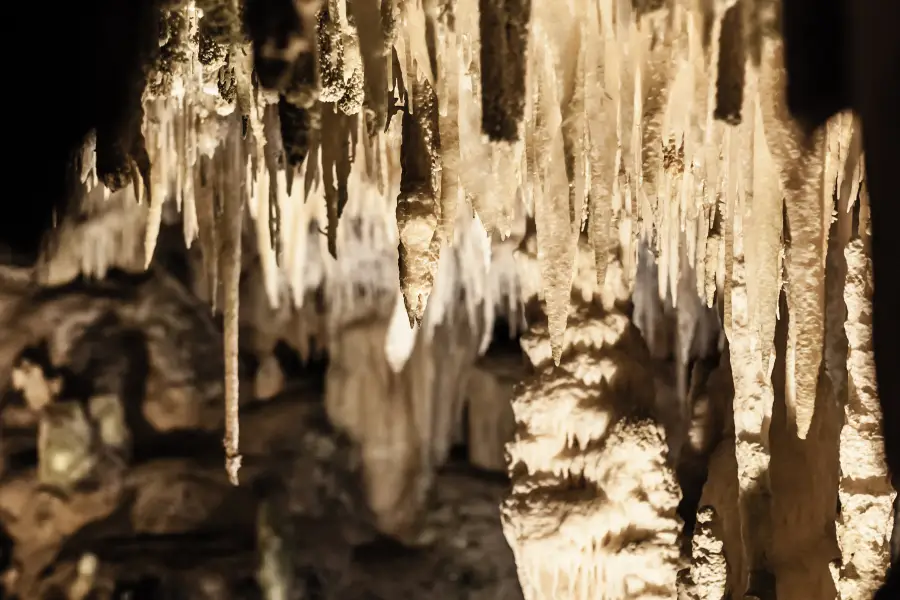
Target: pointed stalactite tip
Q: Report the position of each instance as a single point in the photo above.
(557, 356)
(415, 308)
(556, 349)
(232, 466)
(803, 417)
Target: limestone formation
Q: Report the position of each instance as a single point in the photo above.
(589, 469)
(382, 185)
(864, 530)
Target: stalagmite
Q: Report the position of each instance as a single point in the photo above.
(592, 510)
(709, 570)
(866, 494)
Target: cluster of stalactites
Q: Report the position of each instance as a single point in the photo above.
(659, 121)
(293, 69)
(667, 122)
(231, 118)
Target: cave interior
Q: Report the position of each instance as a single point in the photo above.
(494, 299)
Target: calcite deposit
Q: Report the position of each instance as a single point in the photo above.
(586, 246)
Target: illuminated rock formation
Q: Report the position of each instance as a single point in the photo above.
(382, 181)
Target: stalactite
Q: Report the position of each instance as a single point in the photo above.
(229, 195)
(601, 98)
(340, 65)
(99, 231)
(269, 200)
(156, 188)
(622, 50)
(449, 67)
(800, 165)
(418, 208)
(655, 52)
(557, 235)
(573, 127)
(207, 234)
(488, 172)
(337, 149)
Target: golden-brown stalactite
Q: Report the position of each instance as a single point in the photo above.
(763, 237)
(574, 123)
(656, 31)
(154, 189)
(269, 186)
(229, 163)
(600, 101)
(207, 232)
(430, 10)
(336, 156)
(295, 131)
(339, 61)
(557, 235)
(800, 162)
(418, 206)
(622, 50)
(389, 16)
(489, 172)
(449, 65)
(839, 132)
(275, 163)
(314, 140)
(330, 53)
(698, 53)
